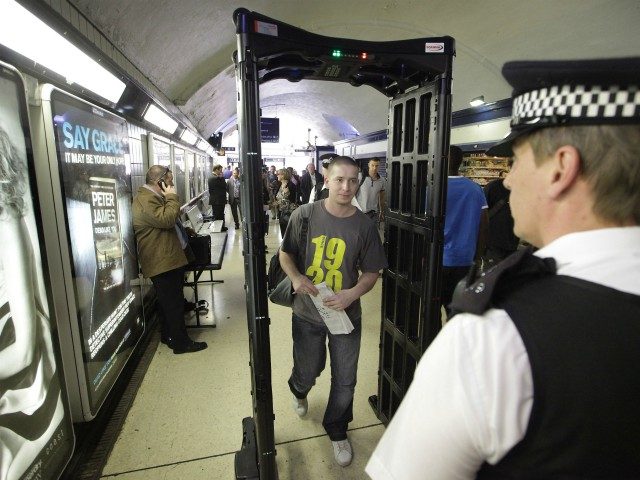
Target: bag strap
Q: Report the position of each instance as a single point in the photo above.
(497, 207)
(303, 238)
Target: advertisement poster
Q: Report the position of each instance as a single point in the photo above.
(106, 233)
(36, 434)
(94, 164)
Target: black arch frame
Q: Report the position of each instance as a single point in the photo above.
(268, 49)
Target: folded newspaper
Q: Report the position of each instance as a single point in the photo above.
(336, 321)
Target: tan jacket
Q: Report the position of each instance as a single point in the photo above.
(154, 220)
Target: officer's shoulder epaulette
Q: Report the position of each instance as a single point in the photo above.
(477, 295)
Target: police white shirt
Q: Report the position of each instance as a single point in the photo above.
(472, 392)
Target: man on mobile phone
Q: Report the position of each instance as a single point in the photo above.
(156, 210)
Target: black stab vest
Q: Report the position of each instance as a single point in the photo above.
(583, 344)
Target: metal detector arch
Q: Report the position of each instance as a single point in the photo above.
(268, 49)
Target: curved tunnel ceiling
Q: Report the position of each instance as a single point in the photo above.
(185, 49)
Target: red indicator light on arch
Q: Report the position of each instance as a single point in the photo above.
(363, 55)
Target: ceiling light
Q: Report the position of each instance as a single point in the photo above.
(188, 137)
(476, 102)
(160, 119)
(202, 145)
(23, 32)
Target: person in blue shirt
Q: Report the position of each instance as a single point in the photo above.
(465, 227)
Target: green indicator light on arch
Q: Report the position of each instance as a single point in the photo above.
(336, 53)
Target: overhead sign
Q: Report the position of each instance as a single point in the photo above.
(270, 130)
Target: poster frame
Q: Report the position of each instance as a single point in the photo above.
(58, 240)
(37, 200)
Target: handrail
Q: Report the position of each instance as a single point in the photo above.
(192, 202)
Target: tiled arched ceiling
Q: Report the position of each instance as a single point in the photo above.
(184, 47)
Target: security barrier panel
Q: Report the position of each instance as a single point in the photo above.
(414, 236)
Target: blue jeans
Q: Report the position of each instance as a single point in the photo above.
(309, 356)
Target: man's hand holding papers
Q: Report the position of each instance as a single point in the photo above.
(337, 321)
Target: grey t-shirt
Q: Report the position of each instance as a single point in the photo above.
(369, 193)
(337, 248)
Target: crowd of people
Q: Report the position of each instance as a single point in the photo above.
(284, 190)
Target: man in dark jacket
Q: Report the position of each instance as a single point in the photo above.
(218, 194)
(308, 183)
(156, 210)
(501, 241)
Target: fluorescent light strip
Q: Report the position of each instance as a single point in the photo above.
(25, 33)
(188, 137)
(160, 119)
(202, 145)
(476, 102)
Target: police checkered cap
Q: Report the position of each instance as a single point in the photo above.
(584, 104)
(582, 92)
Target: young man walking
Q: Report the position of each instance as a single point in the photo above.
(340, 242)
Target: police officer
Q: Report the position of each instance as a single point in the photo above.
(536, 378)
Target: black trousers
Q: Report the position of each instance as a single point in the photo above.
(235, 207)
(169, 291)
(217, 212)
(450, 278)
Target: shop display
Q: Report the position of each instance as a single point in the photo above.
(482, 169)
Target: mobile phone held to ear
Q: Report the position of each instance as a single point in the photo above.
(161, 183)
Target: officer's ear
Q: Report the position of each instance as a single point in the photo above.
(564, 171)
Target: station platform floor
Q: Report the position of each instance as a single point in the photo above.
(186, 420)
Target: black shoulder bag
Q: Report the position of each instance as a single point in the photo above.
(279, 287)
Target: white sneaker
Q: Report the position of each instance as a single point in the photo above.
(342, 452)
(300, 406)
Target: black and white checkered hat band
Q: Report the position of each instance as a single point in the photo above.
(577, 102)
